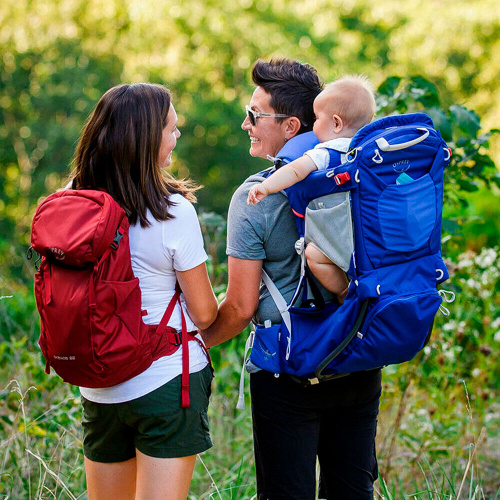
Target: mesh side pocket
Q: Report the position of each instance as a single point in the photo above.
(328, 226)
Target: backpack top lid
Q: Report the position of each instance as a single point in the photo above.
(75, 227)
(378, 126)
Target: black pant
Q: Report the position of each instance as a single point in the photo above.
(335, 421)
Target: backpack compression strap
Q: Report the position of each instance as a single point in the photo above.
(185, 338)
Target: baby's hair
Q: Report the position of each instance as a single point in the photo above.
(354, 100)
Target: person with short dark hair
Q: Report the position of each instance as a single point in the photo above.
(293, 424)
(139, 443)
(341, 110)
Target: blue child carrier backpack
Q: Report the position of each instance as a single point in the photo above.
(393, 175)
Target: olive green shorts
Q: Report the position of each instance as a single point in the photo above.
(155, 424)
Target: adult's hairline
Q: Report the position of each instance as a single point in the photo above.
(292, 85)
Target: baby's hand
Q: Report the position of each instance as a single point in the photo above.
(256, 194)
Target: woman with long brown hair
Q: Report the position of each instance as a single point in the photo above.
(139, 443)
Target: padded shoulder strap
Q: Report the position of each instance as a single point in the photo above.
(335, 157)
(297, 146)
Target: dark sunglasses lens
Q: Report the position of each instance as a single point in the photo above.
(251, 117)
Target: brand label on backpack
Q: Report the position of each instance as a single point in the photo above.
(65, 358)
(267, 354)
(401, 166)
(57, 253)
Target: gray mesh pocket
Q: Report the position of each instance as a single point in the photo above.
(329, 227)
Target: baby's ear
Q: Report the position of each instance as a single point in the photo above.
(338, 123)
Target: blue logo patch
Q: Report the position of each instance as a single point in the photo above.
(267, 355)
(401, 166)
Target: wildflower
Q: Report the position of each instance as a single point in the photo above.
(487, 258)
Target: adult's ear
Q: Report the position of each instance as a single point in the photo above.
(292, 127)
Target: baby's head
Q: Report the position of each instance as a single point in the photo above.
(343, 107)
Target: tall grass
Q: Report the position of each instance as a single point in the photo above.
(41, 449)
(438, 424)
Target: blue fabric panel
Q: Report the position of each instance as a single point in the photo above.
(266, 348)
(375, 128)
(316, 184)
(437, 175)
(406, 277)
(393, 332)
(407, 214)
(414, 162)
(362, 260)
(396, 221)
(441, 266)
(315, 336)
(297, 146)
(335, 158)
(367, 232)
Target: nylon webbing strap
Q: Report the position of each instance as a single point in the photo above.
(278, 300)
(168, 313)
(241, 395)
(185, 402)
(176, 298)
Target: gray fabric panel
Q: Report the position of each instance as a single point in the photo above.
(329, 227)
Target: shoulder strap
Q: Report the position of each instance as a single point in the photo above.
(335, 157)
(297, 146)
(278, 300)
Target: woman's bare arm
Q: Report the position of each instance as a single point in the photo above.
(200, 299)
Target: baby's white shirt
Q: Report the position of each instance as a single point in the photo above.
(320, 156)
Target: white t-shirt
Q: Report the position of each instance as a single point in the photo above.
(157, 252)
(320, 156)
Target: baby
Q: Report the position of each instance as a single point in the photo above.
(341, 109)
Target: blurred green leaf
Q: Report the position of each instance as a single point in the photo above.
(465, 121)
(424, 91)
(442, 122)
(389, 85)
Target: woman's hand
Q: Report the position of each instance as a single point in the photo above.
(199, 296)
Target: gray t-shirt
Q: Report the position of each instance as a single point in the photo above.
(265, 231)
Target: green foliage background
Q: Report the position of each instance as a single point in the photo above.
(57, 57)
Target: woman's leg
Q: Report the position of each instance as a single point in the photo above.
(111, 481)
(163, 478)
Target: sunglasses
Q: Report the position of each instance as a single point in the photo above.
(253, 115)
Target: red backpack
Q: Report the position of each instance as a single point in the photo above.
(88, 298)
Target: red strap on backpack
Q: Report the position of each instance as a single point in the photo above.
(185, 402)
(185, 338)
(48, 287)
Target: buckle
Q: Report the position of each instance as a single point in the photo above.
(177, 338)
(342, 178)
(116, 239)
